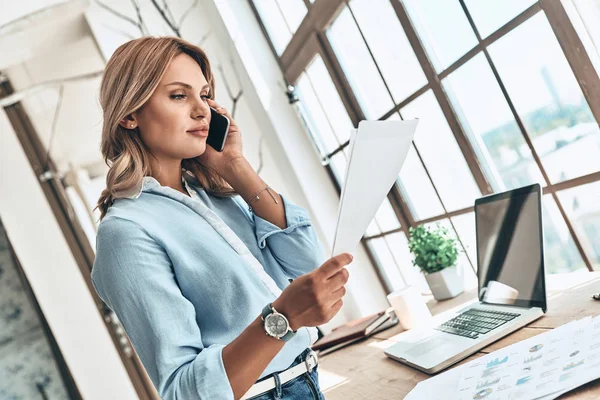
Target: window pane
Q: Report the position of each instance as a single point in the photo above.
(583, 208)
(561, 255)
(387, 262)
(444, 29)
(359, 67)
(325, 112)
(412, 275)
(385, 219)
(274, 23)
(373, 229)
(488, 121)
(441, 154)
(330, 99)
(391, 49)
(417, 188)
(293, 12)
(548, 99)
(491, 15)
(314, 115)
(465, 226)
(339, 163)
(462, 261)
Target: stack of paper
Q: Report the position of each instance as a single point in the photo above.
(542, 367)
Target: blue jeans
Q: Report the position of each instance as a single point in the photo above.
(303, 387)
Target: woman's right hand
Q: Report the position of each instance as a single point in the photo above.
(315, 298)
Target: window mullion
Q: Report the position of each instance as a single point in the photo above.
(575, 52)
(501, 32)
(405, 102)
(342, 147)
(571, 183)
(319, 15)
(371, 54)
(442, 98)
(265, 33)
(340, 81)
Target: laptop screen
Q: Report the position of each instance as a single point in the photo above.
(510, 255)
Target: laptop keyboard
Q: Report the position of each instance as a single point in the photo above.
(475, 322)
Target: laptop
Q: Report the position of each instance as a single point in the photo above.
(512, 289)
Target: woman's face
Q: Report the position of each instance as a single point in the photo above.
(174, 122)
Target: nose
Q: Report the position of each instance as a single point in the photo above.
(200, 110)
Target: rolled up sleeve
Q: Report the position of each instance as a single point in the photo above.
(296, 247)
(133, 275)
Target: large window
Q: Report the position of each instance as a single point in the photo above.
(498, 89)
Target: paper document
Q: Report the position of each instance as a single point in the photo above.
(377, 152)
(539, 368)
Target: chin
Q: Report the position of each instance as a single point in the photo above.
(195, 151)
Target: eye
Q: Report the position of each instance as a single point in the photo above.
(205, 97)
(177, 96)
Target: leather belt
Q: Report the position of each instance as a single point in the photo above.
(284, 376)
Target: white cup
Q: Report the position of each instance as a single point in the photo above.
(499, 293)
(409, 306)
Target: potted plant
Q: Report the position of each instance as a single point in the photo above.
(435, 253)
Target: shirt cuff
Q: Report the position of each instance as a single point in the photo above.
(210, 374)
(295, 217)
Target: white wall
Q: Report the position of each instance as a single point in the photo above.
(55, 278)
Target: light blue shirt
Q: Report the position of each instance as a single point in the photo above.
(185, 276)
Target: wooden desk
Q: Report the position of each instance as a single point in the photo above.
(367, 373)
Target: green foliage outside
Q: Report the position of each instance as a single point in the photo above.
(433, 248)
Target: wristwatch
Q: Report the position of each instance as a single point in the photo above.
(276, 324)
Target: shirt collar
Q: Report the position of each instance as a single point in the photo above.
(149, 182)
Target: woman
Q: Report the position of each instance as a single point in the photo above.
(194, 251)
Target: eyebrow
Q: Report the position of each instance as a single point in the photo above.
(186, 85)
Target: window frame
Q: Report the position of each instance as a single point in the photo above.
(311, 39)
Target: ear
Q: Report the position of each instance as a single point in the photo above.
(129, 122)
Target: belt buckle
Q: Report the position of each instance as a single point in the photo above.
(311, 361)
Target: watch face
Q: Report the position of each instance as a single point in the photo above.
(276, 325)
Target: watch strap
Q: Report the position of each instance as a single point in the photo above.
(288, 335)
(266, 311)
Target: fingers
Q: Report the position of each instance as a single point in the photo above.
(338, 280)
(335, 264)
(335, 308)
(338, 294)
(214, 105)
(218, 108)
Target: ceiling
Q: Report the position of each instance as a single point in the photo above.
(46, 45)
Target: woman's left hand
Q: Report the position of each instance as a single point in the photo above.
(232, 151)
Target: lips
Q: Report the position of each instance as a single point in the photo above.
(199, 132)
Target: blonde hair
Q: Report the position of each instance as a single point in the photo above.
(129, 79)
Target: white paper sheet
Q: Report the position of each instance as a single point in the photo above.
(525, 370)
(378, 150)
(540, 368)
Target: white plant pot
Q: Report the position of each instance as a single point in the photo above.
(447, 283)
